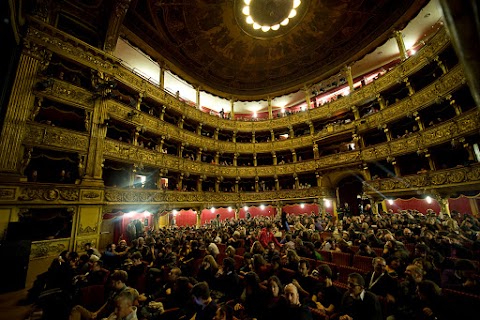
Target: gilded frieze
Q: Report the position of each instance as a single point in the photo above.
(48, 248)
(91, 195)
(48, 194)
(7, 193)
(80, 244)
(87, 230)
(436, 179)
(36, 134)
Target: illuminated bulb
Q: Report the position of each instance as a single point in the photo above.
(429, 200)
(265, 28)
(303, 108)
(293, 13)
(412, 52)
(212, 209)
(254, 114)
(276, 27)
(175, 212)
(247, 2)
(284, 22)
(327, 203)
(246, 10)
(245, 208)
(249, 20)
(296, 3)
(302, 206)
(262, 207)
(146, 214)
(390, 201)
(256, 26)
(229, 209)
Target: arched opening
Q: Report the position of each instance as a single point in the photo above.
(349, 191)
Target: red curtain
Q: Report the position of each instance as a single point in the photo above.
(415, 204)
(186, 218)
(296, 209)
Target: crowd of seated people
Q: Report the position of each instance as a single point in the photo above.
(255, 268)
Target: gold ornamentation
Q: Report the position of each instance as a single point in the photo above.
(48, 248)
(7, 193)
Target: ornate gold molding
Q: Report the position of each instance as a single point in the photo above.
(41, 34)
(449, 179)
(48, 193)
(48, 248)
(44, 135)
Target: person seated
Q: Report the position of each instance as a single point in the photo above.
(124, 307)
(365, 250)
(380, 282)
(291, 308)
(253, 298)
(325, 296)
(271, 252)
(303, 281)
(208, 270)
(228, 281)
(206, 307)
(463, 277)
(247, 264)
(357, 303)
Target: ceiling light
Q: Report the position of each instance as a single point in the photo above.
(262, 207)
(245, 208)
(293, 13)
(175, 212)
(276, 27)
(229, 209)
(246, 10)
(212, 209)
(429, 199)
(256, 26)
(265, 28)
(302, 206)
(247, 2)
(250, 20)
(390, 201)
(284, 22)
(296, 3)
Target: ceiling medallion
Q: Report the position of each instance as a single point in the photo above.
(269, 7)
(269, 18)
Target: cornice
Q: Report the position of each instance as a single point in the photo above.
(55, 138)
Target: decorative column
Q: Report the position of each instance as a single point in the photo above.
(217, 157)
(235, 157)
(430, 161)
(161, 85)
(316, 153)
(255, 159)
(387, 131)
(277, 183)
(274, 158)
(444, 205)
(180, 122)
(256, 184)
(98, 131)
(232, 109)
(180, 150)
(215, 133)
(199, 129)
(136, 133)
(270, 112)
(198, 97)
(366, 172)
(162, 113)
(396, 168)
(421, 126)
(199, 154)
(253, 137)
(237, 212)
(311, 127)
(139, 101)
(272, 135)
(348, 75)
(334, 209)
(381, 101)
(318, 176)
(441, 65)
(234, 136)
(160, 144)
(307, 96)
(401, 45)
(237, 181)
(411, 91)
(374, 205)
(180, 181)
(294, 155)
(297, 183)
(454, 104)
(356, 113)
(291, 133)
(200, 182)
(199, 218)
(217, 184)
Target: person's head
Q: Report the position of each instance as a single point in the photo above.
(119, 279)
(414, 272)
(428, 290)
(291, 294)
(141, 241)
(355, 284)
(174, 274)
(123, 304)
(393, 262)
(271, 246)
(230, 251)
(122, 243)
(87, 246)
(228, 264)
(324, 272)
(303, 267)
(379, 264)
(137, 258)
(168, 248)
(274, 286)
(465, 268)
(111, 247)
(201, 293)
(222, 313)
(97, 265)
(209, 262)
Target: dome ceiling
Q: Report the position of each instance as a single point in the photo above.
(208, 44)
